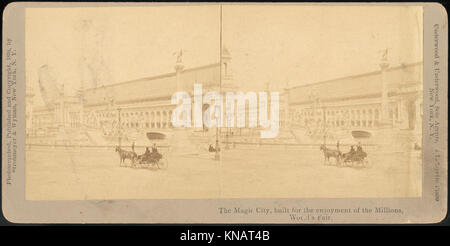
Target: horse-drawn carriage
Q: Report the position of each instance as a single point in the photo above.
(353, 158)
(358, 157)
(154, 158)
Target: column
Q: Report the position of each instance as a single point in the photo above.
(164, 119)
(347, 118)
(82, 107)
(152, 119)
(384, 65)
(403, 113)
(169, 119)
(373, 117)
(359, 118)
(419, 113)
(159, 119)
(178, 69)
(286, 106)
(62, 108)
(366, 117)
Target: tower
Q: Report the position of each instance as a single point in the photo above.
(80, 94)
(384, 65)
(226, 71)
(178, 69)
(286, 105)
(62, 109)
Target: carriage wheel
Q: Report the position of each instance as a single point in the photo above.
(163, 163)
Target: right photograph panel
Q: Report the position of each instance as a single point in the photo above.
(333, 101)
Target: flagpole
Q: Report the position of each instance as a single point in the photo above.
(217, 155)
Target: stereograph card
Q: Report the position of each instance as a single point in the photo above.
(224, 113)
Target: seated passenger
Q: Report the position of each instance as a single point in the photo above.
(359, 149)
(360, 152)
(154, 149)
(352, 151)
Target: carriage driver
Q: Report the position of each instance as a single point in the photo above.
(211, 148)
(359, 148)
(352, 150)
(146, 155)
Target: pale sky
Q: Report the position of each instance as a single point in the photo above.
(307, 44)
(268, 44)
(124, 43)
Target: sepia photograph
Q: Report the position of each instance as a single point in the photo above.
(224, 112)
(101, 102)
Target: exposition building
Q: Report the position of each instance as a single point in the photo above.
(388, 100)
(387, 103)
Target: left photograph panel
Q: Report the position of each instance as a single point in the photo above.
(99, 85)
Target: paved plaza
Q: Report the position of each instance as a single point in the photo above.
(79, 174)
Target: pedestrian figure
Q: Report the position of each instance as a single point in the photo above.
(217, 146)
(211, 148)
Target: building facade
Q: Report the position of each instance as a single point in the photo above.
(358, 102)
(142, 104)
(390, 98)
